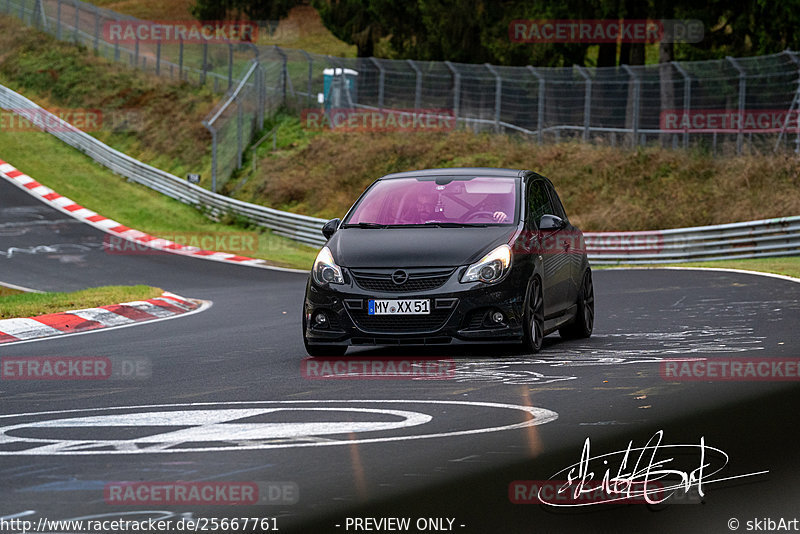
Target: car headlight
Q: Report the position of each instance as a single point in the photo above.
(491, 267)
(325, 270)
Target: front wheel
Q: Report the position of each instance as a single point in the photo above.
(583, 324)
(534, 319)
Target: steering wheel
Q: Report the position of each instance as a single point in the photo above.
(483, 214)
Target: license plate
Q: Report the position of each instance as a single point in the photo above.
(400, 307)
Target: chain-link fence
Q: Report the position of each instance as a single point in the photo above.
(728, 105)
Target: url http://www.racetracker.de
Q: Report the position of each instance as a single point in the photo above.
(97, 526)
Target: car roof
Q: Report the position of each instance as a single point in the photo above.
(459, 171)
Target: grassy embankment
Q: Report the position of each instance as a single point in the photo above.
(15, 303)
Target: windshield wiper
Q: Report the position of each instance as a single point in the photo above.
(364, 225)
(455, 225)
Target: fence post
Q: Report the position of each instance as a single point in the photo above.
(58, 18)
(636, 96)
(381, 81)
(96, 30)
(158, 58)
(456, 88)
(259, 94)
(587, 101)
(213, 155)
(205, 63)
(539, 104)
(39, 16)
(239, 133)
(77, 20)
(180, 58)
(136, 53)
(418, 89)
(310, 76)
(797, 112)
(795, 104)
(687, 99)
(116, 50)
(284, 72)
(498, 96)
(230, 65)
(742, 89)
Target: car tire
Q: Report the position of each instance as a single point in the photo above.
(581, 327)
(321, 350)
(534, 319)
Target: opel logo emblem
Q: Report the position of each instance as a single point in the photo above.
(399, 277)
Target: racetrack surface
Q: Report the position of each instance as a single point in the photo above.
(379, 448)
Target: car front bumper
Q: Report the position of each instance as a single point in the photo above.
(460, 313)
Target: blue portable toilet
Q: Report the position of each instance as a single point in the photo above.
(340, 88)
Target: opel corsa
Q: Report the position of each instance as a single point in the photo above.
(449, 256)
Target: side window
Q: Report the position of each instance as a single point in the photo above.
(558, 207)
(538, 201)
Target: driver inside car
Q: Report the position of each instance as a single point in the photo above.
(494, 205)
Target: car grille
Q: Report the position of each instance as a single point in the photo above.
(400, 323)
(418, 280)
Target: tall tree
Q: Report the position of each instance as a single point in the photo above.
(252, 9)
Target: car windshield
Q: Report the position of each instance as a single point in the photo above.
(437, 200)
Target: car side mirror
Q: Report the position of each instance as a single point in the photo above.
(330, 227)
(551, 223)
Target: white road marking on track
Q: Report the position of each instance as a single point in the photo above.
(718, 269)
(20, 288)
(214, 425)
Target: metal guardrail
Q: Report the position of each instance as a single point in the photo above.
(752, 239)
(764, 238)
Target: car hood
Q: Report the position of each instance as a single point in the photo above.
(414, 247)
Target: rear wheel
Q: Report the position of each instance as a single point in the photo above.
(534, 319)
(583, 324)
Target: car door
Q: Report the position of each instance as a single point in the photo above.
(569, 243)
(555, 262)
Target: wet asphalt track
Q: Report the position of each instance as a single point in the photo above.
(247, 349)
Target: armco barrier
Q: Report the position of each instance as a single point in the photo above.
(764, 238)
(753, 239)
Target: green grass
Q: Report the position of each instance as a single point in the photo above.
(789, 266)
(33, 304)
(74, 175)
(603, 188)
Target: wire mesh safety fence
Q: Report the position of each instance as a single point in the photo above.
(727, 105)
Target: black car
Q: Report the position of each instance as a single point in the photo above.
(443, 256)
